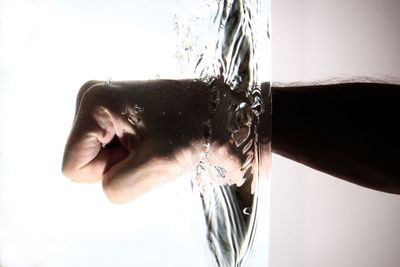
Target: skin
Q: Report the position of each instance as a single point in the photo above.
(345, 130)
(348, 130)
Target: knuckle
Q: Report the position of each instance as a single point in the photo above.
(85, 87)
(93, 101)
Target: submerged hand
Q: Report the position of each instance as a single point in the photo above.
(134, 136)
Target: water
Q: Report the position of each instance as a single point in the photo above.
(131, 46)
(218, 41)
(132, 114)
(221, 46)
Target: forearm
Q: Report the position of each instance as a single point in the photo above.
(346, 130)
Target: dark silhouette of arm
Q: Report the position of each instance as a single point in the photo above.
(348, 130)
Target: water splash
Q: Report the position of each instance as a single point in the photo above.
(219, 42)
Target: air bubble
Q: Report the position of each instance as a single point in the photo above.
(241, 135)
(138, 109)
(257, 108)
(242, 115)
(248, 162)
(247, 146)
(108, 82)
(133, 120)
(220, 173)
(247, 211)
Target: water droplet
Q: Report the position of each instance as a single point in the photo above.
(241, 135)
(247, 211)
(138, 109)
(205, 148)
(242, 115)
(220, 173)
(133, 120)
(199, 169)
(247, 146)
(248, 162)
(215, 99)
(257, 108)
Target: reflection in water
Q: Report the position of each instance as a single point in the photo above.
(228, 60)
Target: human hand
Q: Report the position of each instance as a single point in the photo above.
(134, 136)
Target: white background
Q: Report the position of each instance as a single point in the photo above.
(318, 220)
(49, 48)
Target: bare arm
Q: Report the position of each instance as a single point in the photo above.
(347, 130)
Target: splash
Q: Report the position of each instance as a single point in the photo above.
(218, 41)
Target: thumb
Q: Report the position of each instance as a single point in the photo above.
(99, 139)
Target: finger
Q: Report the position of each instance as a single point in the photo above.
(98, 140)
(84, 88)
(144, 170)
(136, 175)
(84, 144)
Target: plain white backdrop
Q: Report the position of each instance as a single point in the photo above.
(48, 48)
(316, 219)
